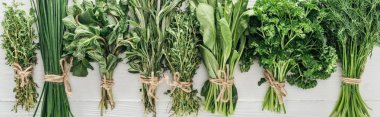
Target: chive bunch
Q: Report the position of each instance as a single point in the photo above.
(50, 31)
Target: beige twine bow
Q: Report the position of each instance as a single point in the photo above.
(279, 88)
(184, 86)
(152, 82)
(107, 85)
(223, 80)
(348, 80)
(22, 74)
(61, 79)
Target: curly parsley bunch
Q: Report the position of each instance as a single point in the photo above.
(287, 38)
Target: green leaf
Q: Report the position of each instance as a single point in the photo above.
(205, 16)
(243, 24)
(210, 61)
(226, 41)
(69, 22)
(79, 67)
(88, 17)
(83, 31)
(112, 61)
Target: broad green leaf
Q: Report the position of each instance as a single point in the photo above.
(79, 67)
(234, 59)
(87, 18)
(111, 38)
(205, 16)
(82, 31)
(243, 24)
(100, 59)
(226, 41)
(111, 62)
(203, 1)
(210, 61)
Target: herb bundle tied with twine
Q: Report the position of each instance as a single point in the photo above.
(182, 59)
(149, 19)
(18, 43)
(96, 32)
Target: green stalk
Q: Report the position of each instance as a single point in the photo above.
(271, 100)
(50, 30)
(353, 27)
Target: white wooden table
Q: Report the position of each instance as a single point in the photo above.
(317, 102)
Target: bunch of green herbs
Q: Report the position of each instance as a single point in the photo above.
(287, 38)
(353, 27)
(97, 32)
(182, 58)
(150, 19)
(223, 25)
(17, 41)
(50, 32)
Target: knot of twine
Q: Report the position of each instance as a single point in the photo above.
(184, 86)
(223, 80)
(278, 87)
(152, 82)
(22, 74)
(348, 80)
(107, 85)
(64, 78)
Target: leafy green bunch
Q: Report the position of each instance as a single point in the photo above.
(222, 25)
(150, 20)
(17, 41)
(287, 38)
(97, 32)
(353, 28)
(182, 58)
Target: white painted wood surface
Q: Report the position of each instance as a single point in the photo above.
(317, 102)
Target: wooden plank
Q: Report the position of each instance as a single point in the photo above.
(244, 109)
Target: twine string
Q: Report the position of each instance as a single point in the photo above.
(225, 83)
(278, 87)
(22, 74)
(64, 78)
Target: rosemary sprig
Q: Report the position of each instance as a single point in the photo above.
(150, 19)
(20, 49)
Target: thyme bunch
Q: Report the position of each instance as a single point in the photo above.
(18, 43)
(182, 58)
